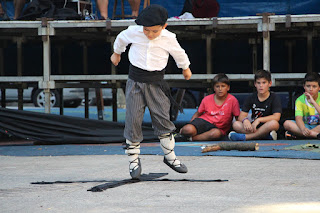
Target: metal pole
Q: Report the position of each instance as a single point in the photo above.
(60, 90)
(46, 70)
(208, 60)
(310, 55)
(209, 54)
(19, 71)
(114, 90)
(253, 43)
(3, 91)
(289, 45)
(266, 51)
(1, 62)
(266, 41)
(85, 71)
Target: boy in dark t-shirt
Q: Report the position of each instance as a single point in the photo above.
(266, 112)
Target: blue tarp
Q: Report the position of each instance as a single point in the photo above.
(228, 8)
(232, 8)
(267, 149)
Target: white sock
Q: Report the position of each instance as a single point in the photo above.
(167, 143)
(133, 151)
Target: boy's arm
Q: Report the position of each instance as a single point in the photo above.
(180, 57)
(304, 130)
(242, 116)
(119, 46)
(313, 102)
(275, 116)
(299, 115)
(195, 115)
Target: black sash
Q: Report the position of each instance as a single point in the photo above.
(144, 76)
(152, 77)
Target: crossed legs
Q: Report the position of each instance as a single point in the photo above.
(260, 133)
(291, 126)
(191, 131)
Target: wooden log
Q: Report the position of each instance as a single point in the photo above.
(240, 146)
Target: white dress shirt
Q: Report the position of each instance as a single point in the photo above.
(148, 54)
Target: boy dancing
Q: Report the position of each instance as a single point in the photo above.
(151, 45)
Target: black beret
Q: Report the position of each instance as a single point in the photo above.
(152, 15)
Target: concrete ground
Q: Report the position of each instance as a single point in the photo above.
(254, 185)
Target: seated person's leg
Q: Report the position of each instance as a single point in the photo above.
(103, 8)
(315, 132)
(200, 129)
(263, 131)
(211, 135)
(18, 6)
(293, 128)
(1, 10)
(188, 130)
(238, 127)
(135, 5)
(239, 133)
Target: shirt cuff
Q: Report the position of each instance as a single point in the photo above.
(117, 51)
(184, 68)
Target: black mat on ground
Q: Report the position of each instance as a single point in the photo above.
(117, 183)
(60, 129)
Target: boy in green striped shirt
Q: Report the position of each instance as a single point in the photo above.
(307, 110)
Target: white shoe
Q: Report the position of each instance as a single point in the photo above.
(274, 135)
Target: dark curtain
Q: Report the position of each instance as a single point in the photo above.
(60, 129)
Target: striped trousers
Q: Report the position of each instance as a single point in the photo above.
(138, 97)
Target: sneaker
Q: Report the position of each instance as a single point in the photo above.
(272, 135)
(233, 136)
(181, 168)
(181, 138)
(289, 136)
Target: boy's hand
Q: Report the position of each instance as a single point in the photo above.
(115, 59)
(255, 124)
(187, 73)
(306, 132)
(247, 125)
(309, 98)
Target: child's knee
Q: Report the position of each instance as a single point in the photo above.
(288, 124)
(237, 125)
(274, 125)
(188, 130)
(215, 134)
